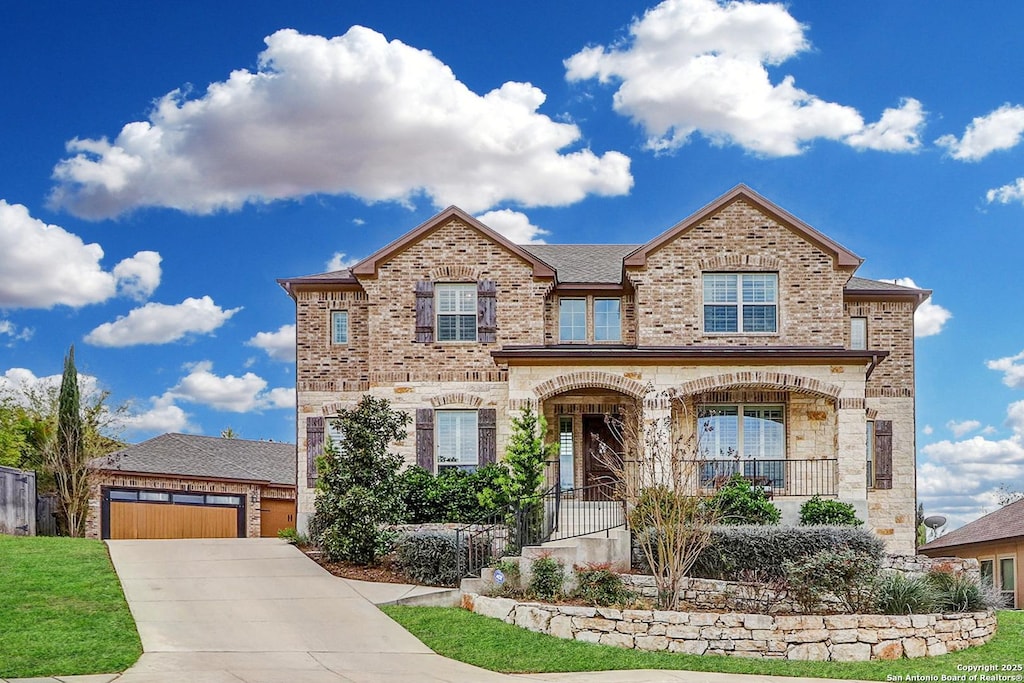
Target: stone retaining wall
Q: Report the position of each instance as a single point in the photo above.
(841, 638)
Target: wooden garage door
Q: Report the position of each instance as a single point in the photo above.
(276, 515)
(135, 514)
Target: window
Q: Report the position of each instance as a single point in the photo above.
(858, 333)
(744, 439)
(154, 496)
(566, 466)
(456, 312)
(607, 320)
(124, 495)
(572, 320)
(988, 573)
(339, 327)
(740, 302)
(191, 498)
(223, 500)
(1007, 582)
(457, 439)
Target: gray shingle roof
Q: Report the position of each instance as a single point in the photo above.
(1006, 522)
(591, 263)
(206, 456)
(863, 284)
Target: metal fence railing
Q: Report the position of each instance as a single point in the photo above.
(790, 477)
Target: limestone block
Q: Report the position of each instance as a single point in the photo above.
(609, 613)
(701, 619)
(498, 608)
(652, 643)
(887, 649)
(758, 621)
(816, 652)
(873, 621)
(690, 647)
(682, 631)
(637, 615)
(867, 635)
(560, 626)
(576, 611)
(671, 617)
(617, 639)
(532, 618)
(809, 636)
(841, 621)
(914, 647)
(593, 624)
(793, 623)
(588, 636)
(922, 620)
(631, 627)
(657, 629)
(846, 635)
(721, 645)
(852, 652)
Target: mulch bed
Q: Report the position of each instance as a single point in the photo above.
(384, 572)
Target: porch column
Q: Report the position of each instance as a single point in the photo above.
(851, 425)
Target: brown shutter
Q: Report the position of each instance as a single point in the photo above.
(424, 311)
(883, 454)
(314, 447)
(486, 426)
(487, 311)
(425, 438)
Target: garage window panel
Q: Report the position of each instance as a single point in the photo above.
(190, 498)
(124, 495)
(154, 496)
(223, 500)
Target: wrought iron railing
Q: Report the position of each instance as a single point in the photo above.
(790, 477)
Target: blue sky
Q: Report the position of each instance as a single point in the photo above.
(162, 163)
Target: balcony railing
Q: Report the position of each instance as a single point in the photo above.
(778, 478)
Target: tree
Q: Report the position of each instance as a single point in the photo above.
(357, 491)
(659, 469)
(228, 433)
(67, 454)
(1007, 495)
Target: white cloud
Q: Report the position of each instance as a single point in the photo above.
(16, 334)
(161, 323)
(139, 276)
(279, 345)
(162, 416)
(340, 262)
(899, 130)
(21, 385)
(701, 66)
(963, 427)
(228, 393)
(960, 479)
(1012, 369)
(1014, 192)
(45, 266)
(929, 318)
(998, 130)
(514, 225)
(928, 430)
(354, 114)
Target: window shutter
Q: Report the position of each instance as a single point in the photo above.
(883, 454)
(424, 311)
(425, 438)
(486, 426)
(314, 447)
(487, 311)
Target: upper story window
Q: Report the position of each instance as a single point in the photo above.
(457, 439)
(456, 312)
(572, 320)
(607, 320)
(741, 302)
(339, 327)
(858, 333)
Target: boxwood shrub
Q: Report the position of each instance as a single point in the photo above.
(431, 557)
(451, 496)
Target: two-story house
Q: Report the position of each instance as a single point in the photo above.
(741, 320)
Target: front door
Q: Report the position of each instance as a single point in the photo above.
(602, 459)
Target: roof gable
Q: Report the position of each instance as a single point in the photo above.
(1006, 522)
(842, 255)
(368, 266)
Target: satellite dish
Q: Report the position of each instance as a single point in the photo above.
(934, 522)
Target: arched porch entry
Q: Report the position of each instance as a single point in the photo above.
(585, 412)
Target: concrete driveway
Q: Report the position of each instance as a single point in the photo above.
(258, 610)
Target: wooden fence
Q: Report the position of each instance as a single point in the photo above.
(17, 502)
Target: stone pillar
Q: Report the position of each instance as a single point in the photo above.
(851, 451)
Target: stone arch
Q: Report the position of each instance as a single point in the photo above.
(590, 379)
(457, 399)
(761, 379)
(455, 273)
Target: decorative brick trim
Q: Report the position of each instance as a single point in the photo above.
(388, 378)
(332, 295)
(760, 379)
(889, 392)
(457, 399)
(851, 404)
(657, 403)
(518, 404)
(334, 386)
(871, 413)
(455, 273)
(590, 379)
(331, 409)
(731, 261)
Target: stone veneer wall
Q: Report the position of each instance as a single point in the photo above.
(842, 637)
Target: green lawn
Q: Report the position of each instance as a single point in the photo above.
(62, 611)
(498, 646)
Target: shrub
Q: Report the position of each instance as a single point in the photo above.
(900, 594)
(292, 536)
(734, 550)
(452, 496)
(598, 585)
(959, 593)
(849, 576)
(513, 585)
(828, 511)
(547, 577)
(357, 490)
(737, 501)
(432, 557)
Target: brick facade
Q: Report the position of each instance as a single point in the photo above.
(829, 393)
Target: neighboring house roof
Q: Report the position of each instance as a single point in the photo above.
(1006, 522)
(844, 257)
(864, 287)
(584, 263)
(205, 457)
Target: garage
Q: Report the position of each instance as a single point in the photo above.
(188, 486)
